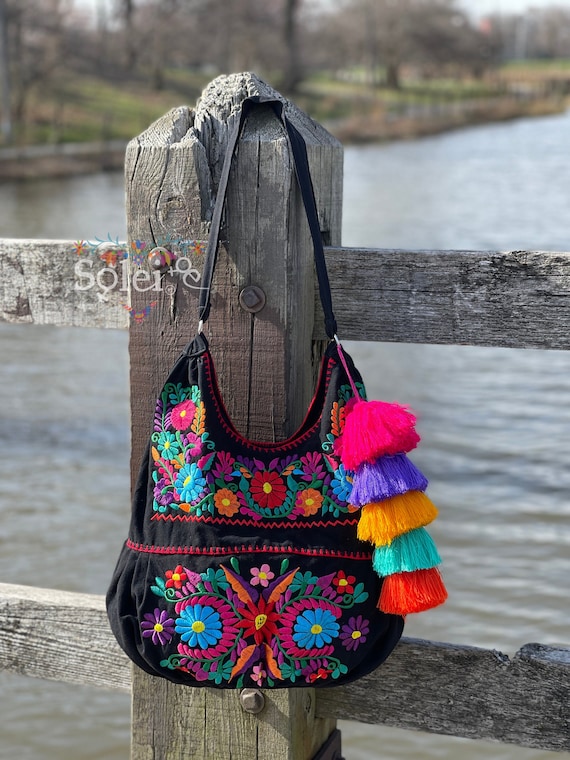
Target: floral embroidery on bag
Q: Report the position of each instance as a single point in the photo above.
(278, 626)
(192, 477)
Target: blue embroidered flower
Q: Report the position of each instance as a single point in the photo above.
(315, 628)
(168, 446)
(189, 482)
(342, 484)
(200, 626)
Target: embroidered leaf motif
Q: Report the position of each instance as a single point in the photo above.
(282, 585)
(244, 660)
(338, 413)
(155, 454)
(271, 663)
(360, 595)
(199, 422)
(238, 586)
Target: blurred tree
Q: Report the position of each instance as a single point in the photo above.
(293, 69)
(6, 118)
(384, 35)
(35, 34)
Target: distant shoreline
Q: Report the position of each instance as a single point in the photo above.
(61, 160)
(418, 121)
(68, 159)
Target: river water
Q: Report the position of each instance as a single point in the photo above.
(495, 425)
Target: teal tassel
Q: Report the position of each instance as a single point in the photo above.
(411, 551)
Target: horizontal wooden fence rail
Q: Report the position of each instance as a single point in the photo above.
(519, 299)
(458, 690)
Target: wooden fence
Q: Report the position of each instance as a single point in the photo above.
(518, 299)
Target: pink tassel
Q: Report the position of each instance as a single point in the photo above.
(373, 429)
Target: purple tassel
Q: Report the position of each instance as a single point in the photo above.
(388, 476)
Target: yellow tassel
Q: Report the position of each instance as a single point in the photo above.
(380, 522)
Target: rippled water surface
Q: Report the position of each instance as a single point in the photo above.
(495, 425)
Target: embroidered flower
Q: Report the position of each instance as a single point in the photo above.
(312, 464)
(158, 627)
(226, 502)
(258, 674)
(315, 628)
(268, 489)
(342, 484)
(183, 415)
(190, 482)
(222, 645)
(315, 672)
(354, 633)
(259, 620)
(344, 584)
(176, 578)
(310, 501)
(199, 625)
(261, 575)
(168, 445)
(192, 446)
(224, 465)
(163, 493)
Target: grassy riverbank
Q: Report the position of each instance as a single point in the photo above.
(87, 109)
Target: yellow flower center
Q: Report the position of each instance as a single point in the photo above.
(158, 628)
(175, 576)
(198, 626)
(183, 413)
(356, 634)
(343, 582)
(260, 621)
(188, 479)
(262, 575)
(309, 501)
(226, 502)
(167, 444)
(267, 487)
(316, 629)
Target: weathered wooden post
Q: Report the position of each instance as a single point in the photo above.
(265, 359)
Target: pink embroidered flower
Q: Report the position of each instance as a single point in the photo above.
(193, 446)
(183, 415)
(258, 674)
(261, 576)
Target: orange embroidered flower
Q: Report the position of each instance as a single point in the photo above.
(268, 489)
(226, 502)
(310, 500)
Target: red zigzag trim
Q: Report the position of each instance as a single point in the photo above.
(254, 523)
(251, 549)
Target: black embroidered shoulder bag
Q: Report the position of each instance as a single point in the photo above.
(273, 564)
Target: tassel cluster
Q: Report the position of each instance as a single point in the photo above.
(389, 490)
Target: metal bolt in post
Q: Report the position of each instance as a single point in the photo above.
(252, 700)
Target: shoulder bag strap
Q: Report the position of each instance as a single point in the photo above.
(299, 151)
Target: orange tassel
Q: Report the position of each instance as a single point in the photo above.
(380, 522)
(417, 591)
